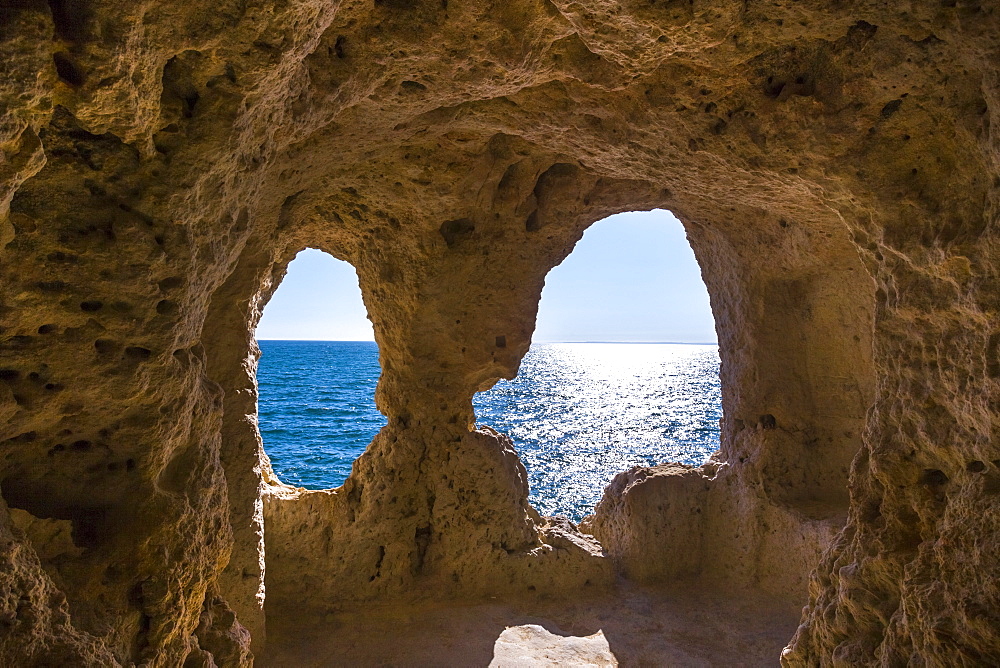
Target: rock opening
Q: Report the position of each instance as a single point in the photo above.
(622, 371)
(317, 373)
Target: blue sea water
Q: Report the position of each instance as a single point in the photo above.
(578, 413)
(316, 408)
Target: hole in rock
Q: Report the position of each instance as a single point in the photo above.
(317, 373)
(92, 524)
(67, 69)
(623, 368)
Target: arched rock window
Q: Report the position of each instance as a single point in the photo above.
(623, 369)
(317, 373)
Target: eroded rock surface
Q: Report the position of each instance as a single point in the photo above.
(835, 168)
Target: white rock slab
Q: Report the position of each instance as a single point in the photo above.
(531, 646)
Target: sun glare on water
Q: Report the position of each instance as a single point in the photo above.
(579, 413)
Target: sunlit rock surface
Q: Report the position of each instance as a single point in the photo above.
(532, 645)
(835, 167)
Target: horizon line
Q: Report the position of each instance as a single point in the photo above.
(678, 343)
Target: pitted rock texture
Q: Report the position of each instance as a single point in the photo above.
(835, 167)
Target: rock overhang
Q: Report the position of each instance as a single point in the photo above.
(834, 170)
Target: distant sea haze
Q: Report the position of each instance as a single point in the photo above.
(578, 413)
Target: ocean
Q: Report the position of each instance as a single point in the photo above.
(578, 413)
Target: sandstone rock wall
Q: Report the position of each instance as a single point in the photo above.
(835, 168)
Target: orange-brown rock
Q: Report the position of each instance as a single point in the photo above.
(835, 167)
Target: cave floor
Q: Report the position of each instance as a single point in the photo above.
(680, 626)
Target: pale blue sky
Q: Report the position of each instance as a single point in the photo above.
(632, 277)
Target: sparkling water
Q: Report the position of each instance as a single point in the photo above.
(578, 413)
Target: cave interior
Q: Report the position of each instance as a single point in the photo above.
(836, 174)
